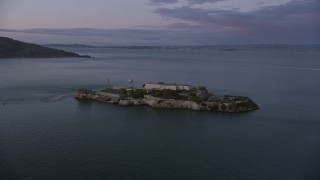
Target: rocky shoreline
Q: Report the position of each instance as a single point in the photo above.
(227, 103)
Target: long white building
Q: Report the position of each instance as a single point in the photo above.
(162, 86)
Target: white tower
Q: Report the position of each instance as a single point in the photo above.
(130, 83)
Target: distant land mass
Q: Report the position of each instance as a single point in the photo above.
(10, 48)
(248, 47)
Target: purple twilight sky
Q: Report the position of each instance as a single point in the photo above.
(161, 22)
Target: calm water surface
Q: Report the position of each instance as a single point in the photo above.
(46, 134)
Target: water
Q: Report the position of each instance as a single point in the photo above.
(46, 134)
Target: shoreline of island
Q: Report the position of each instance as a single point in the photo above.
(169, 96)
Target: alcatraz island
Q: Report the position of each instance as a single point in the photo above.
(169, 96)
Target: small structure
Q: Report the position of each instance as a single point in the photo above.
(202, 92)
(162, 86)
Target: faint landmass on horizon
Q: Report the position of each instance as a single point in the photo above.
(248, 47)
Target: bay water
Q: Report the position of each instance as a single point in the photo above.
(46, 134)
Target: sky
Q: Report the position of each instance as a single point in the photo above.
(161, 22)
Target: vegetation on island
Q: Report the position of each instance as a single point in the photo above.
(163, 94)
(193, 99)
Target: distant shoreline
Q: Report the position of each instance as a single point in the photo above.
(248, 47)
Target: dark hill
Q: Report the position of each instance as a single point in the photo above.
(10, 48)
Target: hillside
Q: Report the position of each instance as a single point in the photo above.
(10, 48)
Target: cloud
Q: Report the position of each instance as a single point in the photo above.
(276, 14)
(192, 2)
(297, 19)
(295, 22)
(158, 2)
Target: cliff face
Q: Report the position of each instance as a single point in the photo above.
(222, 104)
(10, 48)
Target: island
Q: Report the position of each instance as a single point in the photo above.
(169, 96)
(10, 48)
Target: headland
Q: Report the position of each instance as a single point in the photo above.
(10, 48)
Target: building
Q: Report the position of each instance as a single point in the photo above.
(162, 86)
